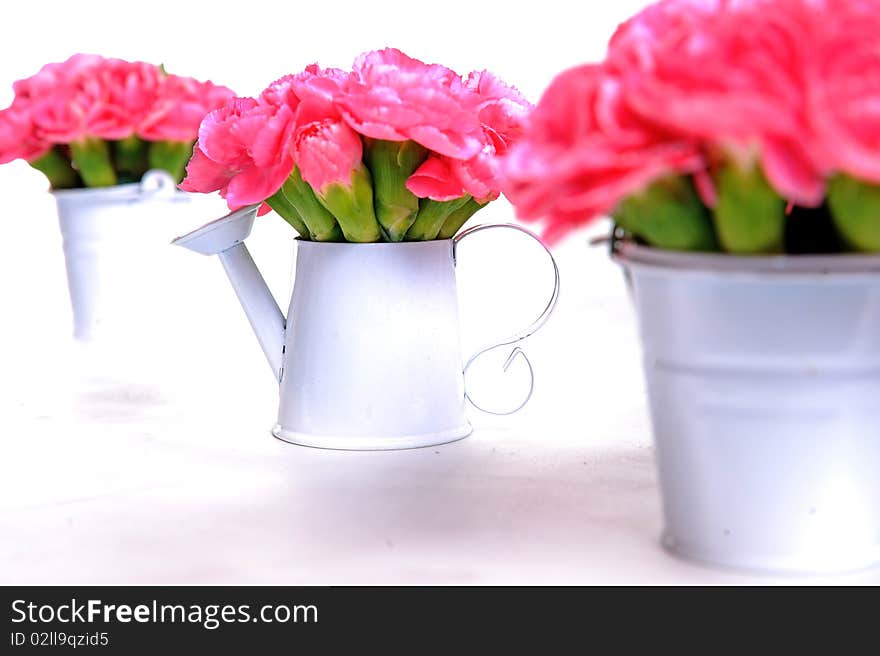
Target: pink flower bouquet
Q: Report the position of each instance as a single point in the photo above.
(96, 122)
(394, 150)
(749, 126)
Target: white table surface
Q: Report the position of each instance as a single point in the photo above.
(174, 478)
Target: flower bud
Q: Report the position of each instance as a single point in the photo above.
(170, 156)
(433, 214)
(91, 157)
(352, 205)
(321, 224)
(57, 168)
(750, 214)
(329, 156)
(855, 207)
(458, 218)
(285, 209)
(132, 158)
(668, 214)
(391, 163)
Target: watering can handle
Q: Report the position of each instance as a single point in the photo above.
(521, 335)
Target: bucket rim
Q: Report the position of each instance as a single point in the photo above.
(125, 189)
(154, 185)
(123, 193)
(636, 256)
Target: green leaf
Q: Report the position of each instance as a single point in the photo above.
(668, 214)
(750, 215)
(855, 208)
(391, 163)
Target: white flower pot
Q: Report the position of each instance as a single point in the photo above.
(137, 303)
(114, 239)
(368, 356)
(763, 377)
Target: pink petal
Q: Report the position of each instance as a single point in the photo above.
(435, 180)
(327, 152)
(205, 175)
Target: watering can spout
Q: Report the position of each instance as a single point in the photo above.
(225, 238)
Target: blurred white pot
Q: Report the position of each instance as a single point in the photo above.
(109, 234)
(132, 295)
(368, 356)
(763, 377)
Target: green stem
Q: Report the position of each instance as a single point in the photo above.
(320, 223)
(432, 215)
(458, 218)
(391, 163)
(131, 157)
(171, 156)
(352, 205)
(855, 208)
(285, 209)
(55, 166)
(668, 214)
(91, 157)
(750, 215)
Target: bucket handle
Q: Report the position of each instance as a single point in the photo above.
(156, 183)
(517, 352)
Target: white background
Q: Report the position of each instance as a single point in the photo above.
(112, 471)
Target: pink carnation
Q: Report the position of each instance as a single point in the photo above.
(92, 96)
(435, 179)
(731, 74)
(122, 95)
(586, 150)
(17, 137)
(273, 126)
(178, 108)
(690, 84)
(315, 120)
(327, 152)
(55, 75)
(395, 97)
(845, 90)
(247, 149)
(87, 96)
(223, 159)
(292, 103)
(501, 111)
(324, 147)
(320, 88)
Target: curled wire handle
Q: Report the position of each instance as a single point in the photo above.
(517, 352)
(157, 183)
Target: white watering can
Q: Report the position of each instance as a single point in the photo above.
(368, 356)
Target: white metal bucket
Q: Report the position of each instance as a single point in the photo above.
(137, 303)
(114, 242)
(763, 377)
(368, 356)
